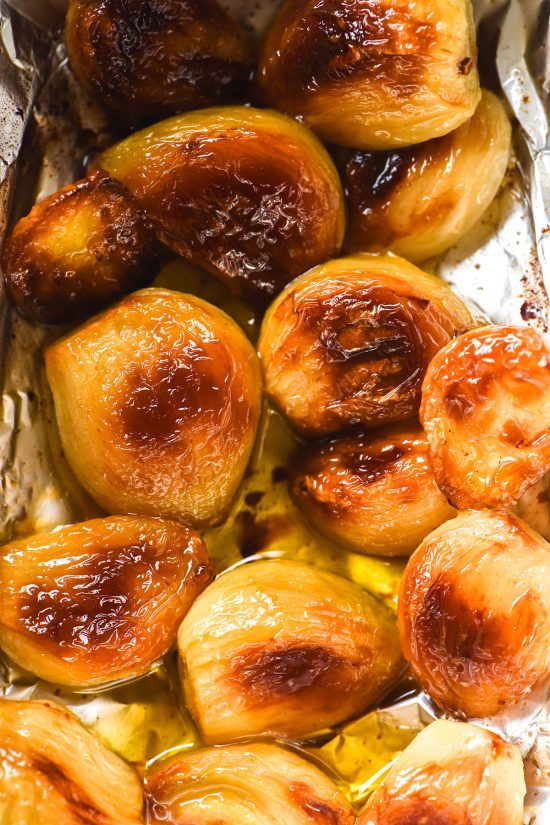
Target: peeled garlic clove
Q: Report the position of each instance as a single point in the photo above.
(282, 648)
(77, 251)
(249, 195)
(474, 612)
(348, 343)
(53, 771)
(417, 202)
(98, 601)
(454, 774)
(373, 74)
(158, 401)
(486, 412)
(159, 58)
(372, 493)
(252, 784)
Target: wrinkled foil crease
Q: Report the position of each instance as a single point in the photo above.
(503, 266)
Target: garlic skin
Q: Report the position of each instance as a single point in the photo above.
(155, 59)
(452, 773)
(99, 601)
(417, 202)
(374, 492)
(373, 74)
(348, 343)
(284, 649)
(474, 613)
(53, 771)
(252, 784)
(78, 251)
(249, 195)
(158, 401)
(486, 412)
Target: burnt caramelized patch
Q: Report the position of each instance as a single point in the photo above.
(81, 808)
(462, 398)
(373, 176)
(261, 673)
(316, 809)
(419, 809)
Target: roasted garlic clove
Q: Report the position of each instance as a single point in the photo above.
(282, 648)
(77, 251)
(374, 493)
(486, 412)
(54, 772)
(98, 601)
(155, 59)
(373, 74)
(452, 774)
(348, 343)
(158, 401)
(474, 612)
(417, 202)
(256, 784)
(249, 195)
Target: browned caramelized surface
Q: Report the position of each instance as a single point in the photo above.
(474, 612)
(375, 492)
(77, 251)
(98, 601)
(486, 412)
(157, 57)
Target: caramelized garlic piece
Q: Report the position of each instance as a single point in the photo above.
(249, 195)
(253, 784)
(474, 612)
(373, 74)
(486, 412)
(417, 202)
(285, 649)
(54, 772)
(451, 774)
(78, 251)
(155, 59)
(374, 493)
(100, 601)
(349, 342)
(158, 401)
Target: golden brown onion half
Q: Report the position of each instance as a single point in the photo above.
(99, 601)
(451, 774)
(349, 342)
(474, 612)
(417, 202)
(54, 772)
(249, 195)
(282, 648)
(374, 493)
(158, 401)
(156, 59)
(77, 251)
(253, 784)
(486, 412)
(373, 74)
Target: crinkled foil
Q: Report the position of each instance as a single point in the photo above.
(47, 129)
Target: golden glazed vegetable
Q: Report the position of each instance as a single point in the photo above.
(98, 601)
(157, 58)
(486, 412)
(373, 74)
(54, 772)
(474, 612)
(451, 774)
(77, 251)
(251, 784)
(281, 648)
(348, 343)
(417, 202)
(374, 493)
(158, 401)
(249, 195)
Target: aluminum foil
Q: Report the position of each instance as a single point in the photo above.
(47, 128)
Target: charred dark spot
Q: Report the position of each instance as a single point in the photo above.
(279, 475)
(465, 66)
(258, 534)
(373, 176)
(253, 498)
(316, 809)
(83, 810)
